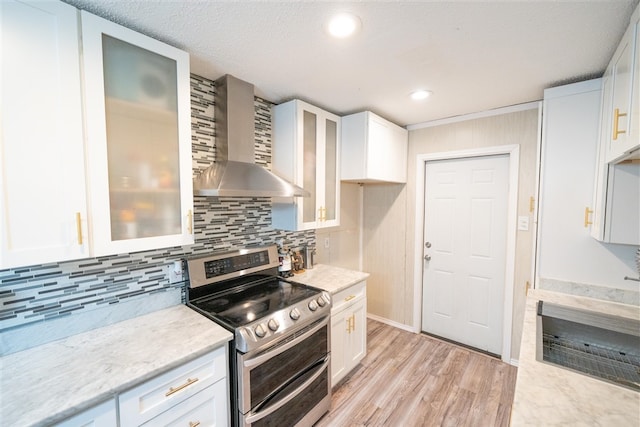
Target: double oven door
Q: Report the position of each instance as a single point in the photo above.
(287, 383)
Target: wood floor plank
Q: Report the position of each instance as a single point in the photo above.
(410, 379)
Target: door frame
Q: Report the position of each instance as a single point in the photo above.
(513, 151)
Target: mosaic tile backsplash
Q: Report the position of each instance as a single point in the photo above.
(51, 291)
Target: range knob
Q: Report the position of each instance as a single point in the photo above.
(295, 314)
(321, 301)
(313, 306)
(273, 324)
(260, 331)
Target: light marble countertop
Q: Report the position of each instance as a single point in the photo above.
(48, 383)
(553, 396)
(329, 278)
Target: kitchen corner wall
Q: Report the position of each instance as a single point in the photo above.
(389, 223)
(340, 246)
(89, 290)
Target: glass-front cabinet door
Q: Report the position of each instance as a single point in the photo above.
(138, 139)
(306, 146)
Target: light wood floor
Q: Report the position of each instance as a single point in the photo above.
(411, 380)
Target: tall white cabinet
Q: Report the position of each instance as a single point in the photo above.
(569, 152)
(43, 209)
(113, 100)
(306, 151)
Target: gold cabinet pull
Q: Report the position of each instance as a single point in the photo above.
(353, 322)
(322, 213)
(587, 212)
(531, 203)
(190, 222)
(349, 298)
(177, 389)
(79, 227)
(616, 118)
(194, 423)
(349, 325)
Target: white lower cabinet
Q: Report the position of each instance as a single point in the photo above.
(348, 330)
(205, 409)
(102, 415)
(195, 389)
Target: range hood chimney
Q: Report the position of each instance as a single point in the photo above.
(234, 172)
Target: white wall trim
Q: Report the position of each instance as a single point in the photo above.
(361, 228)
(512, 211)
(478, 115)
(391, 323)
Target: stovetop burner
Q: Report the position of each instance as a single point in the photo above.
(239, 307)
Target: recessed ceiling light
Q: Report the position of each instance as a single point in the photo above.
(420, 94)
(343, 25)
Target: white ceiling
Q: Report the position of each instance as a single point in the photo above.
(473, 55)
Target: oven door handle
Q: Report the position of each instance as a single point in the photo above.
(255, 416)
(255, 361)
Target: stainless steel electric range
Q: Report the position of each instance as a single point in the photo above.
(280, 355)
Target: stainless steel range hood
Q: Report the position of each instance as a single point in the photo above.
(234, 172)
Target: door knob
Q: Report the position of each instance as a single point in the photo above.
(427, 245)
(427, 257)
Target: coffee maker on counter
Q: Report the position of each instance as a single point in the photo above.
(295, 260)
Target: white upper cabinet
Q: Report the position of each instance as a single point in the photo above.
(138, 134)
(96, 159)
(373, 149)
(43, 208)
(306, 151)
(621, 136)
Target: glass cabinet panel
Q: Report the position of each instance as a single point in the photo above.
(330, 176)
(309, 165)
(138, 139)
(142, 141)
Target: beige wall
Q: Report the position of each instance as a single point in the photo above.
(389, 211)
(344, 240)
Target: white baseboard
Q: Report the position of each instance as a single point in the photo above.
(391, 323)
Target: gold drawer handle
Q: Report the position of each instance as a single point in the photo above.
(190, 222)
(194, 423)
(79, 227)
(616, 117)
(587, 212)
(349, 298)
(177, 389)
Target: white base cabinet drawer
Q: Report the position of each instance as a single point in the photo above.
(346, 296)
(155, 396)
(207, 408)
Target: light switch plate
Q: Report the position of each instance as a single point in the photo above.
(523, 223)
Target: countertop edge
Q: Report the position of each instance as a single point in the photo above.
(330, 278)
(208, 335)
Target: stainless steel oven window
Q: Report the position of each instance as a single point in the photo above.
(301, 400)
(272, 374)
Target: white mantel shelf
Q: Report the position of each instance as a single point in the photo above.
(554, 396)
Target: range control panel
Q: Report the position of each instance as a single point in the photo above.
(215, 268)
(241, 262)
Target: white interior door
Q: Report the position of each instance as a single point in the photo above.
(465, 237)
